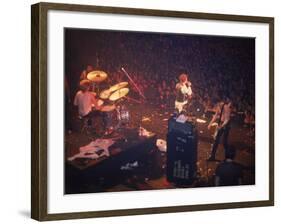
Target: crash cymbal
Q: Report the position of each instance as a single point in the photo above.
(117, 86)
(118, 94)
(105, 94)
(97, 76)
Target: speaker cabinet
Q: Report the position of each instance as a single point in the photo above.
(182, 142)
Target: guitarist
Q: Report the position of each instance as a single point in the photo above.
(183, 92)
(222, 115)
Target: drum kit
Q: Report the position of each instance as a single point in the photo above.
(111, 100)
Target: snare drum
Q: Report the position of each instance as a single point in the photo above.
(108, 108)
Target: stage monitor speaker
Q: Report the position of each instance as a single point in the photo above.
(181, 152)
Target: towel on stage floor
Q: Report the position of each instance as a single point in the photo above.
(94, 149)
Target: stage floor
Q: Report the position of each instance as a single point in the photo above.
(155, 119)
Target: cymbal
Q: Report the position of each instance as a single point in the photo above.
(118, 94)
(118, 86)
(97, 76)
(105, 94)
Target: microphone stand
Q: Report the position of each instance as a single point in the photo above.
(140, 93)
(135, 85)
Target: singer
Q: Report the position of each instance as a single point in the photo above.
(183, 92)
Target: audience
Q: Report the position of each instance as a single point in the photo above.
(216, 66)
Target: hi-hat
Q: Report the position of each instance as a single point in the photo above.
(118, 94)
(117, 86)
(97, 76)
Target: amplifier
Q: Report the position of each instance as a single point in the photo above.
(181, 152)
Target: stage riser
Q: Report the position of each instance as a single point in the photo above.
(108, 171)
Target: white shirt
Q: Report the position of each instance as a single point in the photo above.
(84, 101)
(185, 89)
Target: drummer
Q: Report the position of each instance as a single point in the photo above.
(89, 106)
(84, 99)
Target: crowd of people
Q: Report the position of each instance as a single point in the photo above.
(216, 66)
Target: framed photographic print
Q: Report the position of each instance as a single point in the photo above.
(139, 111)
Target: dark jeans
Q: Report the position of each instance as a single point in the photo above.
(222, 133)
